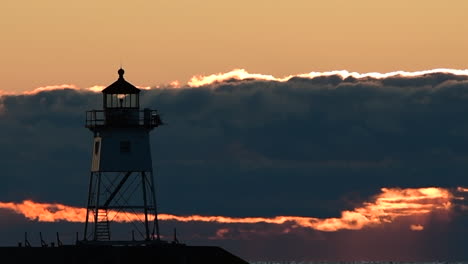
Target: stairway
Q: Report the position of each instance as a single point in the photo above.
(102, 226)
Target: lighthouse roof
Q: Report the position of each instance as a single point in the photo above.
(121, 86)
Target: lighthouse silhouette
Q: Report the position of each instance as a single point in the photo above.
(121, 184)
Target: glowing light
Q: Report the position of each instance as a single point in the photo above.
(385, 208)
(241, 74)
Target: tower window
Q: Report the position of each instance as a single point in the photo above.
(124, 146)
(96, 147)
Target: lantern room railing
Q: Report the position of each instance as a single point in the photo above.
(121, 117)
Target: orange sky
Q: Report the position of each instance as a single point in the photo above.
(53, 42)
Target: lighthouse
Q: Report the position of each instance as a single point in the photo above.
(121, 184)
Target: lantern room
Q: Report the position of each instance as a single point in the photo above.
(121, 109)
(121, 94)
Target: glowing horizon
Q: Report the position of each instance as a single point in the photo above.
(390, 204)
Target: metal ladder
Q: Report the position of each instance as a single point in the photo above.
(102, 226)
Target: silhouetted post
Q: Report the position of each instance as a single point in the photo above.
(26, 241)
(43, 243)
(59, 242)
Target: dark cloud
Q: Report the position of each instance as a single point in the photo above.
(310, 147)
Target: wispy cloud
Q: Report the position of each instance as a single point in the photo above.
(389, 205)
(242, 74)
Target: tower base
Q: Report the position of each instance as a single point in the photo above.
(156, 254)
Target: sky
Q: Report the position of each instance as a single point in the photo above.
(53, 42)
(298, 130)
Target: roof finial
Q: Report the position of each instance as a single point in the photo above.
(121, 72)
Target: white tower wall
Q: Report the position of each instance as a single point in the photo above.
(124, 149)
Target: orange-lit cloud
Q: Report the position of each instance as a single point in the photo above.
(237, 74)
(220, 233)
(417, 227)
(241, 74)
(387, 206)
(390, 204)
(52, 88)
(94, 88)
(174, 84)
(47, 212)
(143, 87)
